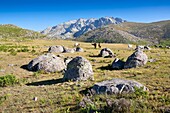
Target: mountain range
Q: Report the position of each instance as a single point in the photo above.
(76, 28)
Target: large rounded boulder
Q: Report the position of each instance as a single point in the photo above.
(56, 49)
(78, 68)
(116, 86)
(47, 63)
(106, 52)
(137, 59)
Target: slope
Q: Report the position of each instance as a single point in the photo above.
(9, 31)
(109, 34)
(130, 32)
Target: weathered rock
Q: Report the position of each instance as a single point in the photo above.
(47, 62)
(56, 49)
(106, 52)
(78, 69)
(116, 86)
(68, 50)
(137, 59)
(79, 49)
(118, 64)
(86, 101)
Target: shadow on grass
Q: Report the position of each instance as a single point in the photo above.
(98, 56)
(24, 67)
(108, 67)
(46, 82)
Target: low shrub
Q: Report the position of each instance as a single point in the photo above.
(8, 80)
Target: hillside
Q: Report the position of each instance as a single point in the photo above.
(148, 31)
(110, 35)
(9, 31)
(152, 32)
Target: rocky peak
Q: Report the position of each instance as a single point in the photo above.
(75, 28)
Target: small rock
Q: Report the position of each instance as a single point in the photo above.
(11, 65)
(56, 49)
(85, 101)
(79, 49)
(35, 98)
(152, 60)
(106, 52)
(120, 105)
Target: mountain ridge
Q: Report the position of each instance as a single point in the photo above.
(75, 28)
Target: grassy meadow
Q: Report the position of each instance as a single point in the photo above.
(50, 95)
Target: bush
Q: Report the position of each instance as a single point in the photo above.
(8, 80)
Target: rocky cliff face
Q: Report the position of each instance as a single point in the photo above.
(75, 28)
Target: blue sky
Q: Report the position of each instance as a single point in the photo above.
(39, 14)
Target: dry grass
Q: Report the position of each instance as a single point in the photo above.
(55, 96)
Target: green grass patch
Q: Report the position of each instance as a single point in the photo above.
(8, 80)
